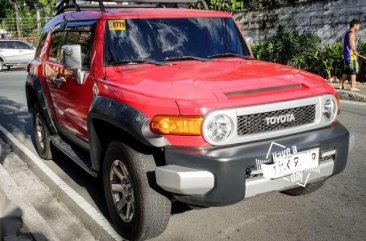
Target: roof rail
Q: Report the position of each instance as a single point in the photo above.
(102, 5)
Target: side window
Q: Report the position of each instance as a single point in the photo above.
(21, 45)
(2, 45)
(40, 46)
(57, 40)
(8, 45)
(81, 33)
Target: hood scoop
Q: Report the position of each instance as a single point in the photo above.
(263, 90)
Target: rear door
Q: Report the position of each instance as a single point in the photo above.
(25, 52)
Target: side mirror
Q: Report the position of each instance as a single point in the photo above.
(71, 59)
(71, 56)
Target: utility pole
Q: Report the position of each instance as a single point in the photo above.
(16, 9)
(38, 17)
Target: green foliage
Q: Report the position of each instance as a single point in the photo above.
(332, 60)
(47, 6)
(5, 6)
(240, 5)
(362, 50)
(27, 15)
(228, 5)
(289, 48)
(303, 51)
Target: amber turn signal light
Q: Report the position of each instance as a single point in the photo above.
(177, 125)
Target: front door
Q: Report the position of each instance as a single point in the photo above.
(71, 100)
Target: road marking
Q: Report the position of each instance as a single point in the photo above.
(352, 102)
(88, 209)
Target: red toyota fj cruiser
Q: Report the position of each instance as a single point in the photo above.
(168, 103)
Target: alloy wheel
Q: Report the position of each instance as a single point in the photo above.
(122, 191)
(40, 135)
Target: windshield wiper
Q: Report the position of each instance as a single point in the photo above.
(224, 55)
(187, 57)
(137, 61)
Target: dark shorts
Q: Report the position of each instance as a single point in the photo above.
(351, 67)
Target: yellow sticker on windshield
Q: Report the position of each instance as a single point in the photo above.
(115, 25)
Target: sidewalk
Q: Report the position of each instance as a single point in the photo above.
(346, 94)
(65, 211)
(39, 214)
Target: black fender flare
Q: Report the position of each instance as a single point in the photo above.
(34, 83)
(121, 116)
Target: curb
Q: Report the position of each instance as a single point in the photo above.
(352, 96)
(88, 215)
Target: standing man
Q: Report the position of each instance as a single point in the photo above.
(351, 66)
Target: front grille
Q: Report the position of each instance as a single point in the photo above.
(257, 123)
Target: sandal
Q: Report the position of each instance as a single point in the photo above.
(354, 89)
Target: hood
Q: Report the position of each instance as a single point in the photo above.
(222, 81)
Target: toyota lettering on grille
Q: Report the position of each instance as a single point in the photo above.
(272, 120)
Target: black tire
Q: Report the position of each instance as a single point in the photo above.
(309, 188)
(150, 209)
(42, 137)
(1, 65)
(8, 67)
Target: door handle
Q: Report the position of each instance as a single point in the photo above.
(58, 80)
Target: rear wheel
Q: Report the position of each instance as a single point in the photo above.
(42, 137)
(1, 65)
(137, 210)
(309, 188)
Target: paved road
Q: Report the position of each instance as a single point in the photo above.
(336, 212)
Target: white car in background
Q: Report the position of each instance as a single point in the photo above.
(15, 52)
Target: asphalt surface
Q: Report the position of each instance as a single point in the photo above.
(335, 212)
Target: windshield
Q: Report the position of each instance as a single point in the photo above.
(163, 39)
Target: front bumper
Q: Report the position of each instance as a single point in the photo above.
(224, 169)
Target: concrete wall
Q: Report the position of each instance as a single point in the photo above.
(329, 19)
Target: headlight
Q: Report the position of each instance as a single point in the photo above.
(329, 109)
(218, 128)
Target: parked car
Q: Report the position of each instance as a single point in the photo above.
(170, 104)
(15, 52)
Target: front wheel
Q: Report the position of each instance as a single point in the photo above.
(137, 210)
(42, 137)
(1, 65)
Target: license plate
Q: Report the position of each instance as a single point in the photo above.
(284, 166)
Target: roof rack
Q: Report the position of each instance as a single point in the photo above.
(103, 5)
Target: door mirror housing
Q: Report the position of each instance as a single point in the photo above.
(71, 56)
(72, 60)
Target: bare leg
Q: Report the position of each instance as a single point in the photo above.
(341, 84)
(353, 83)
